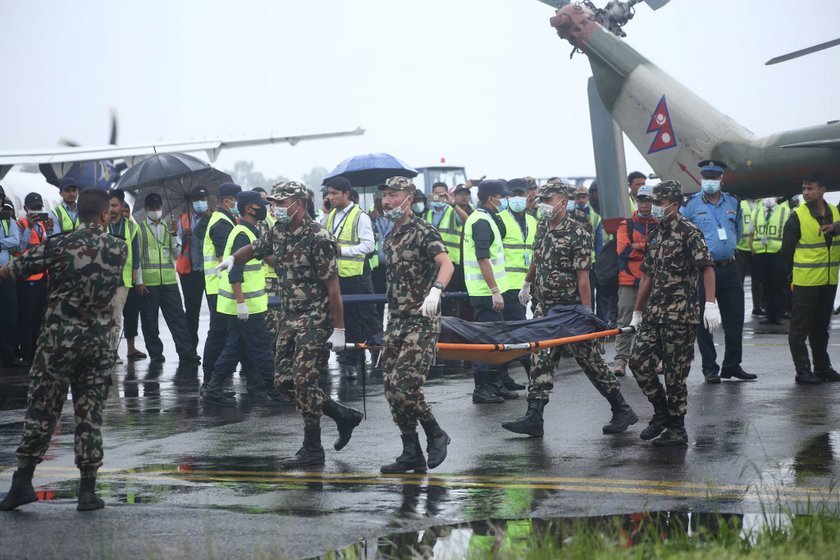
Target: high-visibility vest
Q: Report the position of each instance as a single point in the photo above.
(208, 250)
(633, 205)
(128, 268)
(595, 221)
(476, 286)
(348, 236)
(767, 237)
(183, 265)
(253, 280)
(267, 268)
(37, 235)
(450, 232)
(156, 260)
(814, 262)
(747, 209)
(65, 222)
(517, 249)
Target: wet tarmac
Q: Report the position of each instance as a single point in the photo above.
(184, 479)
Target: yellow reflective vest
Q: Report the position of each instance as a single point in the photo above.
(131, 230)
(815, 261)
(747, 210)
(253, 285)
(450, 232)
(517, 249)
(211, 281)
(767, 237)
(157, 263)
(348, 236)
(476, 286)
(65, 222)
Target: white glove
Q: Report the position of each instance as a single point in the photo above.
(636, 320)
(336, 341)
(431, 305)
(525, 294)
(242, 312)
(711, 316)
(226, 264)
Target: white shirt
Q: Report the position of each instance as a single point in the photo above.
(367, 243)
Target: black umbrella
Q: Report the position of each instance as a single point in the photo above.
(371, 169)
(172, 176)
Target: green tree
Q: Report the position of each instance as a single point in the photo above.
(244, 175)
(314, 178)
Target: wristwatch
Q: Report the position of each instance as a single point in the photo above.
(439, 285)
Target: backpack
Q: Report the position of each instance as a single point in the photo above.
(606, 265)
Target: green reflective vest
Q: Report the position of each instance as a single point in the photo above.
(595, 221)
(65, 222)
(767, 237)
(211, 281)
(747, 209)
(450, 232)
(517, 249)
(156, 262)
(476, 286)
(814, 262)
(348, 236)
(131, 230)
(253, 285)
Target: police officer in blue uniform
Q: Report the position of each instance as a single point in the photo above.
(718, 216)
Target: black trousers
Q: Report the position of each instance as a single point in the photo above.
(32, 301)
(359, 318)
(8, 321)
(811, 319)
(746, 261)
(770, 272)
(247, 341)
(192, 285)
(515, 311)
(729, 293)
(216, 337)
(483, 312)
(167, 300)
(131, 314)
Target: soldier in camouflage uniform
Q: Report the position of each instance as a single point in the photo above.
(417, 270)
(560, 275)
(312, 315)
(668, 293)
(75, 346)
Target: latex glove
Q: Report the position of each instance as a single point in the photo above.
(226, 264)
(431, 305)
(636, 320)
(336, 341)
(498, 301)
(525, 294)
(711, 316)
(242, 312)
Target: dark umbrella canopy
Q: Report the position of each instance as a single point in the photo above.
(160, 167)
(371, 169)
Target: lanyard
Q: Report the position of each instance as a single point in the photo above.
(340, 225)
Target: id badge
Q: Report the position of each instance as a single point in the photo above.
(721, 234)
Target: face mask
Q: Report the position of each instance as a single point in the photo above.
(659, 212)
(547, 210)
(517, 203)
(644, 216)
(710, 186)
(418, 207)
(503, 205)
(235, 211)
(155, 215)
(570, 205)
(769, 202)
(200, 206)
(282, 215)
(260, 213)
(582, 205)
(438, 204)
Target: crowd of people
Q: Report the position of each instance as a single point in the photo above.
(86, 272)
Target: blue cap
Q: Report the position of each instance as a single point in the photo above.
(711, 166)
(229, 189)
(645, 191)
(250, 197)
(67, 182)
(491, 188)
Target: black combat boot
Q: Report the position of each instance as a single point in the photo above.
(660, 417)
(88, 500)
(530, 424)
(214, 393)
(484, 392)
(21, 491)
(436, 442)
(622, 417)
(412, 458)
(674, 434)
(310, 454)
(346, 420)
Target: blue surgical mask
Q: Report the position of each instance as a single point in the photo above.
(582, 205)
(418, 207)
(570, 206)
(438, 204)
(200, 206)
(235, 211)
(710, 186)
(503, 204)
(517, 203)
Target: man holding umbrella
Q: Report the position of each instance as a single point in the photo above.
(159, 287)
(192, 226)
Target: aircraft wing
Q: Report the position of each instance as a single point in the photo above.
(212, 148)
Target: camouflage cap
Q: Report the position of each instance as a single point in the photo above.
(553, 187)
(280, 191)
(667, 189)
(398, 184)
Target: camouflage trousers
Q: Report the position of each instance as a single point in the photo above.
(274, 318)
(300, 357)
(588, 356)
(672, 344)
(87, 373)
(409, 347)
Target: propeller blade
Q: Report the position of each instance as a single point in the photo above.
(656, 4)
(803, 52)
(69, 143)
(113, 140)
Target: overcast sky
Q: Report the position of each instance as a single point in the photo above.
(486, 84)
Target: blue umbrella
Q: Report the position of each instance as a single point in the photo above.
(371, 169)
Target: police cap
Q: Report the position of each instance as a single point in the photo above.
(229, 190)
